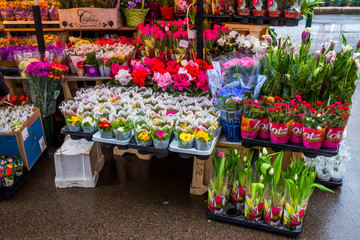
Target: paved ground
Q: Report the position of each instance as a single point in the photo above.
(150, 200)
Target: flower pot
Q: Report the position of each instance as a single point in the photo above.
(294, 215)
(244, 12)
(92, 71)
(296, 132)
(19, 172)
(313, 138)
(154, 9)
(336, 176)
(187, 144)
(274, 14)
(192, 33)
(253, 208)
(216, 203)
(161, 144)
(231, 131)
(250, 128)
(134, 17)
(144, 144)
(264, 129)
(333, 137)
(104, 71)
(167, 13)
(88, 129)
(106, 134)
(259, 13)
(280, 132)
(325, 177)
(203, 146)
(291, 14)
(122, 136)
(8, 182)
(76, 128)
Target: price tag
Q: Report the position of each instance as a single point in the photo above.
(25, 134)
(184, 43)
(28, 55)
(42, 144)
(57, 92)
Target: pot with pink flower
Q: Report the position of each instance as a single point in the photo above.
(161, 132)
(218, 185)
(297, 116)
(314, 128)
(8, 174)
(280, 123)
(105, 68)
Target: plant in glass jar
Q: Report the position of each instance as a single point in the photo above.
(218, 185)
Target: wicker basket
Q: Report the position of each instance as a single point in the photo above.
(134, 17)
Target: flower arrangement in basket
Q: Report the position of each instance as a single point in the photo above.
(337, 116)
(218, 185)
(135, 12)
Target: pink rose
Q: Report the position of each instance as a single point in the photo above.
(139, 41)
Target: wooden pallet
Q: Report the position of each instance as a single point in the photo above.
(117, 152)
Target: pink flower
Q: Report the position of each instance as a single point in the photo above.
(301, 213)
(292, 224)
(202, 84)
(163, 80)
(211, 207)
(169, 33)
(218, 200)
(181, 81)
(242, 192)
(252, 216)
(162, 24)
(179, 23)
(267, 218)
(184, 34)
(161, 134)
(139, 41)
(220, 154)
(260, 207)
(176, 35)
(170, 112)
(275, 211)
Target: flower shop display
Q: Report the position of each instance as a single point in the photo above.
(151, 117)
(10, 168)
(135, 12)
(272, 196)
(44, 82)
(13, 118)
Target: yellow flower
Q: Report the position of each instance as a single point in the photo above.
(144, 136)
(204, 135)
(74, 119)
(271, 99)
(123, 121)
(9, 166)
(133, 105)
(212, 125)
(186, 137)
(148, 43)
(117, 121)
(183, 127)
(290, 209)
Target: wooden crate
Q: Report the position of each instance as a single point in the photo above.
(246, 29)
(29, 142)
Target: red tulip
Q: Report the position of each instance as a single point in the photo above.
(14, 100)
(301, 213)
(292, 224)
(275, 211)
(22, 98)
(267, 217)
(211, 207)
(260, 207)
(218, 200)
(242, 192)
(252, 216)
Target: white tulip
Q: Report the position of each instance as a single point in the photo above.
(265, 152)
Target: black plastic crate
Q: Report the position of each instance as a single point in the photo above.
(77, 135)
(330, 184)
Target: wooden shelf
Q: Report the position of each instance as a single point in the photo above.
(64, 30)
(30, 22)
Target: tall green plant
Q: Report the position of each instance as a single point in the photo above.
(166, 3)
(220, 177)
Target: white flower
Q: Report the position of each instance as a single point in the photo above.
(233, 34)
(236, 151)
(121, 129)
(221, 41)
(309, 30)
(247, 44)
(245, 158)
(296, 177)
(184, 62)
(261, 177)
(123, 76)
(260, 155)
(265, 152)
(240, 40)
(271, 171)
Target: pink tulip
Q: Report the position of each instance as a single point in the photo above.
(169, 33)
(218, 200)
(162, 24)
(252, 216)
(211, 207)
(267, 218)
(242, 192)
(220, 155)
(139, 41)
(275, 211)
(301, 213)
(260, 207)
(292, 224)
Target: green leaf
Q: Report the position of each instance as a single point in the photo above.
(264, 167)
(322, 188)
(344, 39)
(277, 167)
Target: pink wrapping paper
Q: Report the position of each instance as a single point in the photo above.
(333, 137)
(313, 138)
(250, 128)
(296, 132)
(264, 128)
(44, 12)
(280, 132)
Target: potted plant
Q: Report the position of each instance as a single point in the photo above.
(18, 166)
(218, 185)
(275, 7)
(250, 124)
(105, 67)
(92, 65)
(280, 123)
(135, 12)
(244, 7)
(292, 9)
(265, 103)
(186, 139)
(73, 122)
(88, 123)
(314, 128)
(19, 11)
(167, 9)
(8, 174)
(259, 8)
(297, 116)
(204, 140)
(105, 128)
(161, 133)
(122, 128)
(143, 135)
(337, 116)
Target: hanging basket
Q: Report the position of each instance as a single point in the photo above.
(134, 17)
(191, 32)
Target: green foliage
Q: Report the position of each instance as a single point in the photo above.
(165, 3)
(91, 60)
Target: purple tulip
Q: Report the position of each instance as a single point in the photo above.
(318, 55)
(358, 44)
(268, 39)
(323, 48)
(357, 64)
(305, 36)
(279, 41)
(332, 45)
(329, 56)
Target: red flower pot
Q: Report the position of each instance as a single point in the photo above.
(259, 13)
(244, 12)
(275, 13)
(291, 14)
(167, 13)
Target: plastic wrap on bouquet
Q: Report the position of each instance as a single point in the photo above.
(161, 144)
(250, 128)
(106, 134)
(333, 137)
(74, 128)
(122, 136)
(294, 215)
(44, 12)
(186, 144)
(238, 195)
(273, 213)
(203, 146)
(253, 208)
(264, 129)
(216, 202)
(143, 138)
(280, 132)
(29, 13)
(19, 13)
(296, 132)
(8, 14)
(313, 138)
(54, 13)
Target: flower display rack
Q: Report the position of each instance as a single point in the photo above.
(76, 135)
(229, 215)
(273, 21)
(311, 153)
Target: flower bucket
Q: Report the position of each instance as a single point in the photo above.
(92, 71)
(250, 128)
(44, 12)
(54, 13)
(264, 128)
(276, 14)
(104, 71)
(216, 203)
(158, 144)
(296, 132)
(253, 208)
(231, 131)
(154, 9)
(294, 216)
(8, 14)
(313, 138)
(134, 17)
(19, 13)
(333, 137)
(280, 132)
(167, 13)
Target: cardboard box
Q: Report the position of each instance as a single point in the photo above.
(29, 142)
(91, 18)
(78, 163)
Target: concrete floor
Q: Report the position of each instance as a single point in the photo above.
(137, 199)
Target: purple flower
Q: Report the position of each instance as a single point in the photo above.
(358, 44)
(279, 41)
(318, 55)
(268, 38)
(323, 48)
